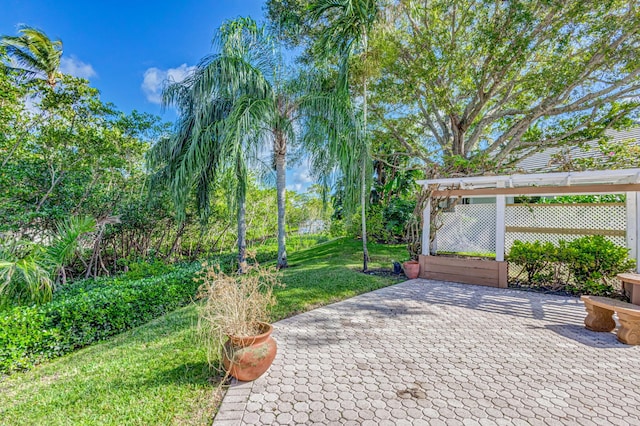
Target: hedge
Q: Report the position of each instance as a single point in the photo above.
(587, 265)
(88, 312)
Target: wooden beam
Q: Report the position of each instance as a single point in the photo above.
(540, 190)
(568, 231)
(559, 204)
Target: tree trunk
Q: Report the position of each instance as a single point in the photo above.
(242, 233)
(363, 172)
(54, 181)
(363, 211)
(282, 194)
(92, 270)
(176, 240)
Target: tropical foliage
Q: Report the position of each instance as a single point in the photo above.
(587, 265)
(107, 215)
(67, 159)
(34, 54)
(237, 103)
(465, 87)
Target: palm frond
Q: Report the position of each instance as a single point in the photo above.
(65, 244)
(34, 53)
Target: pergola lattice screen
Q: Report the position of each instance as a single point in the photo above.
(555, 222)
(470, 228)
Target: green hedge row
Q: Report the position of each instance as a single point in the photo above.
(87, 312)
(587, 265)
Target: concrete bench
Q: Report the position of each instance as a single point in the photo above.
(631, 284)
(600, 317)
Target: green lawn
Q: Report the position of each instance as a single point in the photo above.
(156, 374)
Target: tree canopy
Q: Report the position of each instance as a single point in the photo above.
(467, 86)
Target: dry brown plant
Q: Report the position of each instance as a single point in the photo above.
(233, 304)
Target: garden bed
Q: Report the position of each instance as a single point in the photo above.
(464, 270)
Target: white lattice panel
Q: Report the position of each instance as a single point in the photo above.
(589, 217)
(470, 228)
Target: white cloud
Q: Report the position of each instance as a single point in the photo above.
(155, 79)
(299, 178)
(77, 68)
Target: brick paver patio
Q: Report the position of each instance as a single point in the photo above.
(429, 352)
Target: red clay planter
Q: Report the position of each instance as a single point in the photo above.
(251, 356)
(411, 269)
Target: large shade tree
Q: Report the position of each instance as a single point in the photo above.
(470, 87)
(486, 83)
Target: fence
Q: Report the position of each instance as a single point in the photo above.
(471, 228)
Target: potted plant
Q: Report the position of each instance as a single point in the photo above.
(233, 320)
(411, 269)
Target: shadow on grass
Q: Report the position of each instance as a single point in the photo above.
(186, 375)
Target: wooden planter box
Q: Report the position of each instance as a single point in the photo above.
(464, 270)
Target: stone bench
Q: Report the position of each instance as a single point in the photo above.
(600, 317)
(631, 285)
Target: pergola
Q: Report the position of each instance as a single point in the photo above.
(625, 181)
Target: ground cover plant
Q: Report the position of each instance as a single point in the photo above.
(155, 374)
(81, 316)
(91, 310)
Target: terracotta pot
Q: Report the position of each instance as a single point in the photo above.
(411, 269)
(250, 356)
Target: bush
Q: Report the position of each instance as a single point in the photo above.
(535, 258)
(144, 269)
(594, 258)
(386, 224)
(586, 265)
(86, 313)
(91, 310)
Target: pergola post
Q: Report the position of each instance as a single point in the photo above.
(500, 226)
(426, 228)
(633, 226)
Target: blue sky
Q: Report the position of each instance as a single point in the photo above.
(114, 43)
(128, 48)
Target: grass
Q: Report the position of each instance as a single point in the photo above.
(156, 373)
(295, 242)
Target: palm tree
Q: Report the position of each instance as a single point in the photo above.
(34, 54)
(209, 143)
(259, 108)
(29, 271)
(349, 24)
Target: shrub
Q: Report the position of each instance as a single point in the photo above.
(86, 313)
(144, 269)
(535, 258)
(90, 310)
(583, 266)
(385, 223)
(593, 259)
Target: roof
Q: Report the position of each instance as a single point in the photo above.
(624, 176)
(543, 161)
